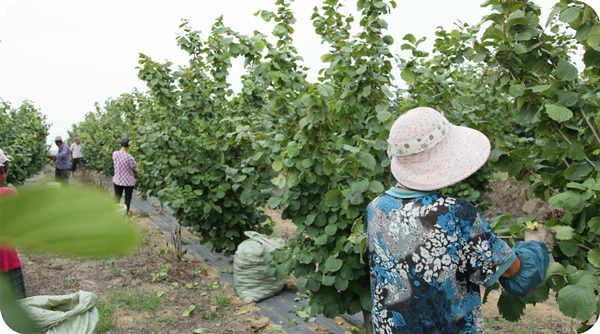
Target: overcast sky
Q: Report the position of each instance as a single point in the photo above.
(66, 55)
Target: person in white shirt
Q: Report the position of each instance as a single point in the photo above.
(76, 154)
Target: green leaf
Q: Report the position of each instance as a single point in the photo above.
(376, 187)
(563, 232)
(333, 264)
(569, 247)
(569, 201)
(67, 220)
(594, 225)
(555, 268)
(540, 88)
(367, 160)
(360, 186)
(576, 151)
(511, 307)
(280, 181)
(584, 278)
(566, 71)
(593, 257)
(593, 38)
(330, 229)
(310, 218)
(351, 148)
(538, 295)
(577, 301)
(558, 112)
(569, 14)
(307, 100)
(280, 30)
(189, 311)
(410, 38)
(321, 240)
(408, 76)
(292, 149)
(277, 165)
(328, 280)
(382, 112)
(516, 90)
(341, 284)
(566, 98)
(274, 202)
(577, 171)
(332, 198)
(493, 32)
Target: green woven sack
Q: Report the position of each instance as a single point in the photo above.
(249, 267)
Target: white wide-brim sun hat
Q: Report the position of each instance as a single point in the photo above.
(427, 152)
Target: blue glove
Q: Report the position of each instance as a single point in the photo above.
(534, 263)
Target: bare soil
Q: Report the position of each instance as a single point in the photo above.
(148, 291)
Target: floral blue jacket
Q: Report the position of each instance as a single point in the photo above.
(428, 256)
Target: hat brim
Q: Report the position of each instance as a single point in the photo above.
(456, 157)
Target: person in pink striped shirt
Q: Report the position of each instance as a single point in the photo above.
(9, 260)
(125, 168)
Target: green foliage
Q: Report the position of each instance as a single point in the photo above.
(552, 142)
(23, 139)
(195, 148)
(333, 163)
(316, 150)
(66, 221)
(136, 301)
(87, 218)
(105, 317)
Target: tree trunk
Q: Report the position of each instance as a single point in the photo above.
(367, 322)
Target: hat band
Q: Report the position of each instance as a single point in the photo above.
(420, 144)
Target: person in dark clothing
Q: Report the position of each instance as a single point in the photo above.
(62, 158)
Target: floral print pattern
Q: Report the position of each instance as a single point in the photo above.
(428, 255)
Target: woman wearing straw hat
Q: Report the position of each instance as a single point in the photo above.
(429, 254)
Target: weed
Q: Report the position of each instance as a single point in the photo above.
(213, 286)
(222, 300)
(163, 272)
(135, 274)
(115, 271)
(136, 301)
(67, 283)
(105, 313)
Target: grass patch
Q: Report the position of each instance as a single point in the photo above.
(222, 300)
(105, 313)
(137, 301)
